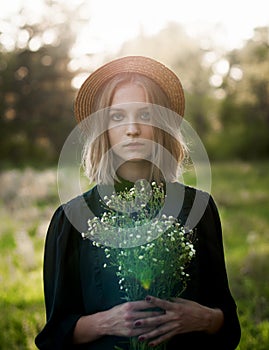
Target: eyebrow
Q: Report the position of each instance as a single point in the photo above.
(117, 109)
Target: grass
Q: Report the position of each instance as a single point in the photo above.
(241, 191)
(28, 199)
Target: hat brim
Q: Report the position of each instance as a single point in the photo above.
(146, 66)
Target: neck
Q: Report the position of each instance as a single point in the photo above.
(133, 171)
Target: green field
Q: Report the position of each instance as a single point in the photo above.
(28, 199)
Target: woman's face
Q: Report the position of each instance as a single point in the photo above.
(130, 131)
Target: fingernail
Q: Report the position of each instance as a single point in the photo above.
(148, 298)
(151, 345)
(141, 338)
(137, 324)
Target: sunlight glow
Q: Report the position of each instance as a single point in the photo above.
(107, 24)
(216, 80)
(221, 67)
(35, 44)
(78, 80)
(236, 73)
(225, 24)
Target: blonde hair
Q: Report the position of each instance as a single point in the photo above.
(98, 160)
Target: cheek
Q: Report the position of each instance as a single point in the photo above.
(113, 136)
(148, 132)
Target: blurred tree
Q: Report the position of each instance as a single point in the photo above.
(36, 95)
(244, 113)
(184, 55)
(227, 94)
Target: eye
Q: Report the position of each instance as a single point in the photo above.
(116, 116)
(145, 115)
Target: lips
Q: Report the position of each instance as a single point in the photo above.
(133, 144)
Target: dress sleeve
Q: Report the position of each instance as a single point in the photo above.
(216, 287)
(61, 284)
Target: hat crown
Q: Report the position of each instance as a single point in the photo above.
(156, 71)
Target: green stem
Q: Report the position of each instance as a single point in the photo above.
(135, 344)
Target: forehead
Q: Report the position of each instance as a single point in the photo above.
(128, 93)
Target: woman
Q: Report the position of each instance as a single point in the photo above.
(131, 139)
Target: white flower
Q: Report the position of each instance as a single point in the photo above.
(149, 261)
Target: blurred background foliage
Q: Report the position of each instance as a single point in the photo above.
(35, 90)
(226, 92)
(227, 103)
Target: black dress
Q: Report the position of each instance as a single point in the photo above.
(76, 284)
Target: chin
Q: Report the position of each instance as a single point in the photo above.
(138, 160)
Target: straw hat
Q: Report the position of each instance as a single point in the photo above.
(148, 67)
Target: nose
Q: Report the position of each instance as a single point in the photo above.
(133, 129)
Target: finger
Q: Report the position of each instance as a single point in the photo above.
(139, 305)
(147, 314)
(179, 300)
(162, 338)
(151, 321)
(159, 332)
(136, 332)
(133, 306)
(161, 303)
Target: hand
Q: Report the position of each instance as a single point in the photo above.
(121, 319)
(181, 316)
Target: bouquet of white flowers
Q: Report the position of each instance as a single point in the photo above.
(150, 250)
